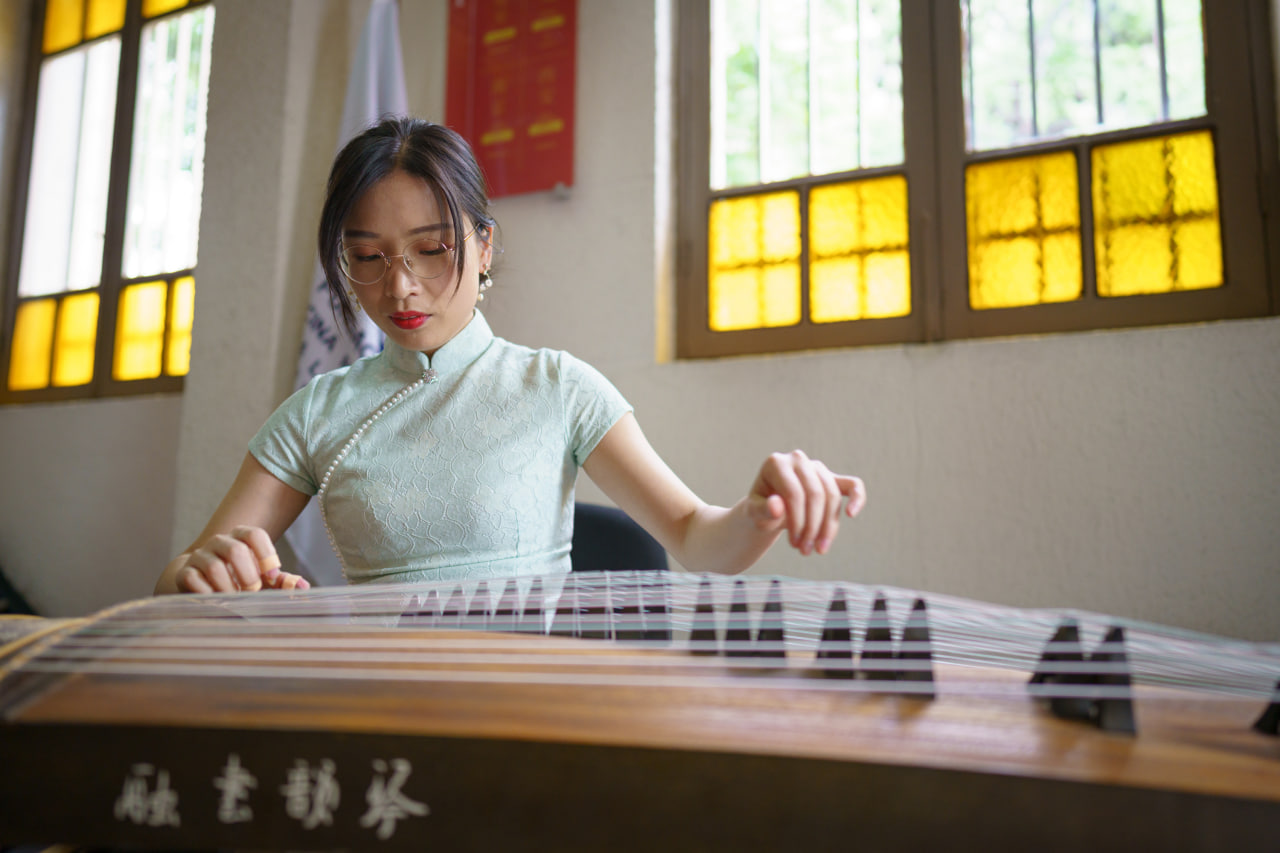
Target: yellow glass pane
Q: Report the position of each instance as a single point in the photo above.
(140, 330)
(781, 292)
(1195, 179)
(1060, 256)
(1133, 177)
(151, 8)
(858, 244)
(74, 340)
(888, 284)
(837, 290)
(1023, 229)
(755, 298)
(754, 271)
(755, 229)
(63, 24)
(32, 351)
(1140, 261)
(1155, 207)
(104, 16)
(181, 313)
(734, 300)
(1008, 271)
(1021, 195)
(1199, 254)
(733, 226)
(875, 285)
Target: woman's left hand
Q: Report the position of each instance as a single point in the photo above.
(802, 496)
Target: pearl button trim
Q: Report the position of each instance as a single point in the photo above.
(428, 377)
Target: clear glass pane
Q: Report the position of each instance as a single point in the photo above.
(63, 24)
(32, 352)
(835, 123)
(879, 83)
(166, 175)
(181, 314)
(74, 340)
(140, 328)
(1065, 78)
(70, 163)
(754, 249)
(735, 94)
(1184, 58)
(803, 88)
(998, 96)
(1129, 55)
(858, 249)
(855, 59)
(1155, 208)
(784, 74)
(1023, 225)
(1051, 68)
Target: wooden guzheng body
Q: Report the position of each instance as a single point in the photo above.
(619, 712)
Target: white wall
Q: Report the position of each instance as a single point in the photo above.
(1128, 472)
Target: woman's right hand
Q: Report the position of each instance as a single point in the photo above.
(244, 560)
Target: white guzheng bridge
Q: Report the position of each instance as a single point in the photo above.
(617, 711)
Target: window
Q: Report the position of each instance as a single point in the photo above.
(873, 171)
(101, 278)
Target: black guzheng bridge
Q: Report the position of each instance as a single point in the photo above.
(663, 711)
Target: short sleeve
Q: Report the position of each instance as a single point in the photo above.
(281, 444)
(592, 405)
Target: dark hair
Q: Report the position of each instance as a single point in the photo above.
(421, 148)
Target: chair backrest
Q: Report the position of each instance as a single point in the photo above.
(11, 601)
(606, 539)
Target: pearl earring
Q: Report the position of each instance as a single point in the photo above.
(486, 282)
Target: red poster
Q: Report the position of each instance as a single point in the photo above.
(510, 89)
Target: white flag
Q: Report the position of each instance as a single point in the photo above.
(375, 89)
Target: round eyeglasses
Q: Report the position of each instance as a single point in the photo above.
(424, 258)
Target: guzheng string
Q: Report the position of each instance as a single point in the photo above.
(758, 625)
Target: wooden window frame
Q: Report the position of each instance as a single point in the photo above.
(1242, 117)
(112, 280)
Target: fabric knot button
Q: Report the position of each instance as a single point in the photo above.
(430, 376)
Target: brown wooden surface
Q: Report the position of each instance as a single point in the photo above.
(733, 756)
(1186, 742)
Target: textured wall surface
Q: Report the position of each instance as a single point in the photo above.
(86, 500)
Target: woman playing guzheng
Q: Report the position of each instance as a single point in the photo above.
(453, 453)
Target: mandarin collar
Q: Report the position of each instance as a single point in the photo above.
(458, 352)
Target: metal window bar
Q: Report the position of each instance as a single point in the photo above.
(1164, 65)
(857, 72)
(968, 36)
(762, 95)
(1031, 57)
(1097, 62)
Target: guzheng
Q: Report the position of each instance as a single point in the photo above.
(633, 712)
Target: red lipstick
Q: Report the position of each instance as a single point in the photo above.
(409, 320)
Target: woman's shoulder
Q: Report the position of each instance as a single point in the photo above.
(545, 361)
(341, 383)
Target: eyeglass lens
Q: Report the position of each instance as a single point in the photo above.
(425, 258)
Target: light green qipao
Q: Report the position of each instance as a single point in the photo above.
(466, 472)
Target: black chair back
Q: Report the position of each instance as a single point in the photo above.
(605, 539)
